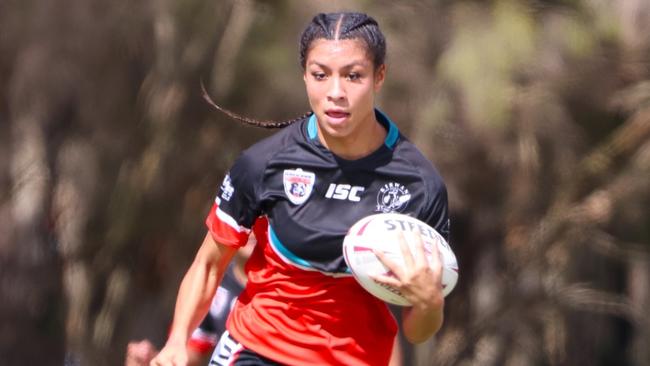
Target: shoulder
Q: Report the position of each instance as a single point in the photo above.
(260, 153)
(254, 159)
(411, 156)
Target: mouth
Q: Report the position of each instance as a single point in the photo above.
(337, 116)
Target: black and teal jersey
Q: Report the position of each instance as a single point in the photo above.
(311, 196)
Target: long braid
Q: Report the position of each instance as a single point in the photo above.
(250, 121)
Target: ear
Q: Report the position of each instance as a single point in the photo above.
(380, 76)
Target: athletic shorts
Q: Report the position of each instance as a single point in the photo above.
(229, 352)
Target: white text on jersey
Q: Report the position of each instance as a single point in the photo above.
(344, 192)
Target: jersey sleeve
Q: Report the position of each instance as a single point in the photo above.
(236, 206)
(436, 212)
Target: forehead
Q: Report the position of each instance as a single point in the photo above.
(324, 51)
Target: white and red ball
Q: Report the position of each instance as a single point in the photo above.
(381, 232)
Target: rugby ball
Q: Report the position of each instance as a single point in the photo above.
(381, 232)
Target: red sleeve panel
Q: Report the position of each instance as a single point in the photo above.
(224, 229)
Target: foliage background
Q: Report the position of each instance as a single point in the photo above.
(536, 112)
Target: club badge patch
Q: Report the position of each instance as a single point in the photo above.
(298, 185)
(392, 197)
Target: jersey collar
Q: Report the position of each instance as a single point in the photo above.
(389, 141)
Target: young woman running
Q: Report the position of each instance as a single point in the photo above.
(299, 191)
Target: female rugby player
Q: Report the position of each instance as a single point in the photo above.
(299, 191)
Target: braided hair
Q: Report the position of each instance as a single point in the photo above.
(330, 26)
(335, 26)
(250, 121)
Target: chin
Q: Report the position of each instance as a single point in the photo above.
(338, 132)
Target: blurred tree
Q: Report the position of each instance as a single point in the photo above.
(536, 113)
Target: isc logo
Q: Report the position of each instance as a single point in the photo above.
(344, 192)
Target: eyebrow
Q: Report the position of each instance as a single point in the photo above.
(347, 66)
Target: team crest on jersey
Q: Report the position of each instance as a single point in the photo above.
(298, 185)
(392, 197)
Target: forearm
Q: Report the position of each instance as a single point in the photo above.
(198, 288)
(193, 300)
(420, 323)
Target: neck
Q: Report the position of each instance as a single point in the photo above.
(362, 142)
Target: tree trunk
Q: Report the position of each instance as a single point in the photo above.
(31, 312)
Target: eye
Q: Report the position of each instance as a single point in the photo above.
(353, 76)
(318, 75)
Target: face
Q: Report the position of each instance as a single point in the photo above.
(341, 83)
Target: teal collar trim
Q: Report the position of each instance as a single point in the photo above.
(312, 127)
(391, 136)
(393, 131)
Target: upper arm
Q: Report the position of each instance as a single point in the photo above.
(215, 254)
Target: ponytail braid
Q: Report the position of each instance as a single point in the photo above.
(250, 121)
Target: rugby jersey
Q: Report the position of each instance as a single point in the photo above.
(301, 306)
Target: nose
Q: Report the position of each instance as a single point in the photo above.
(335, 90)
